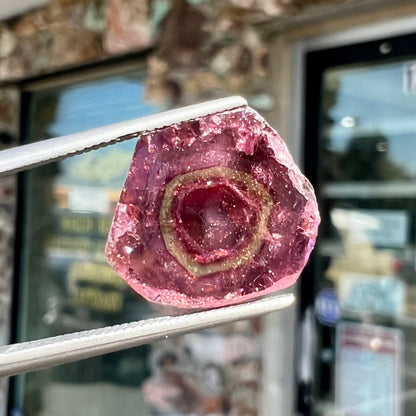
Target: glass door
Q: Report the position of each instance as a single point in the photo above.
(65, 282)
(360, 148)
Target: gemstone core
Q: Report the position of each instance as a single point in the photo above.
(214, 211)
(212, 231)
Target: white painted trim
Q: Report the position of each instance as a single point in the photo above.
(296, 128)
(360, 34)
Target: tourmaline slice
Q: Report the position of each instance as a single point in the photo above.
(214, 211)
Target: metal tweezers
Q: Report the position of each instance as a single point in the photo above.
(48, 352)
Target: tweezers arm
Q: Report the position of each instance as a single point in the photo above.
(49, 352)
(50, 150)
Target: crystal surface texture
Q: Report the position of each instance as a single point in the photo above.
(214, 211)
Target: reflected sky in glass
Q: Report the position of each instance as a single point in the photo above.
(370, 102)
(95, 104)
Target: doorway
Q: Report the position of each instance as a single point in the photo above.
(360, 154)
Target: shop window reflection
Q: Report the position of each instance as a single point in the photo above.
(67, 284)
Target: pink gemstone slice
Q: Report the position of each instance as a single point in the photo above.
(214, 211)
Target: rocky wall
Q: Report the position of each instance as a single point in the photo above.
(199, 48)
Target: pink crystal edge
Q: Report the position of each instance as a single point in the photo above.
(181, 300)
(185, 302)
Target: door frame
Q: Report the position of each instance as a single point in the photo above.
(287, 56)
(375, 35)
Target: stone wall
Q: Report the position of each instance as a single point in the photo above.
(199, 48)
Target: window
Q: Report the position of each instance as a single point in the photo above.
(65, 282)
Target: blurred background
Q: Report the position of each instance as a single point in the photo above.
(337, 79)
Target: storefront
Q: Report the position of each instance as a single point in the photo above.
(338, 82)
(361, 135)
